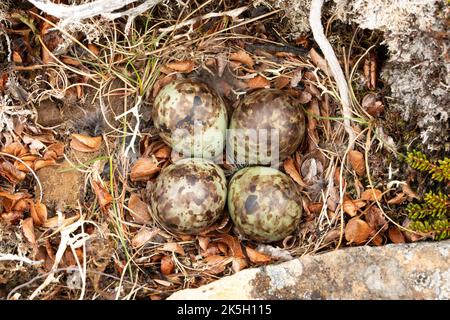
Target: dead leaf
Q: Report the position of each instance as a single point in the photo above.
(15, 149)
(243, 57)
(39, 164)
(356, 159)
(395, 235)
(28, 230)
(315, 207)
(232, 243)
(203, 242)
(167, 265)
(319, 61)
(83, 143)
(144, 169)
(163, 153)
(238, 264)
(216, 264)
(103, 196)
(258, 82)
(173, 247)
(138, 209)
(38, 212)
(375, 218)
(163, 282)
(371, 195)
(409, 192)
(350, 208)
(257, 257)
(184, 66)
(289, 167)
(143, 236)
(11, 173)
(399, 198)
(357, 231)
(377, 240)
(281, 82)
(372, 106)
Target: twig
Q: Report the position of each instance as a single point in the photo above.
(231, 13)
(104, 8)
(13, 257)
(336, 70)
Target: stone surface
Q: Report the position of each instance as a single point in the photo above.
(410, 271)
(417, 71)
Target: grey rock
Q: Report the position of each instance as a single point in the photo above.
(409, 271)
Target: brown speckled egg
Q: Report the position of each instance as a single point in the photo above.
(268, 109)
(192, 118)
(264, 204)
(189, 195)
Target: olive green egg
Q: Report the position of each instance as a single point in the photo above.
(192, 118)
(189, 195)
(264, 204)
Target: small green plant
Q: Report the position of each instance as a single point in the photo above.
(432, 214)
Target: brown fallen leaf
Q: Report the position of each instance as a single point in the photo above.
(315, 207)
(371, 195)
(28, 230)
(173, 247)
(281, 82)
(103, 196)
(203, 242)
(238, 264)
(357, 231)
(144, 169)
(15, 149)
(395, 235)
(257, 257)
(38, 212)
(163, 153)
(319, 61)
(243, 57)
(184, 66)
(377, 240)
(84, 143)
(399, 198)
(375, 218)
(138, 209)
(289, 167)
(216, 264)
(258, 82)
(163, 282)
(39, 164)
(409, 192)
(167, 265)
(356, 159)
(143, 236)
(232, 243)
(350, 208)
(10, 172)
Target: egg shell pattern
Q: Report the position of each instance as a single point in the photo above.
(189, 195)
(268, 109)
(264, 203)
(192, 118)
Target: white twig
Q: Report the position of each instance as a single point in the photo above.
(13, 257)
(135, 112)
(315, 23)
(104, 8)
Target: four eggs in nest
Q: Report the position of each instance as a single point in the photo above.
(190, 195)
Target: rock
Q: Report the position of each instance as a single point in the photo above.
(417, 71)
(411, 271)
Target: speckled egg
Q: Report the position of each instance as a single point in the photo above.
(192, 118)
(267, 126)
(264, 204)
(189, 195)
